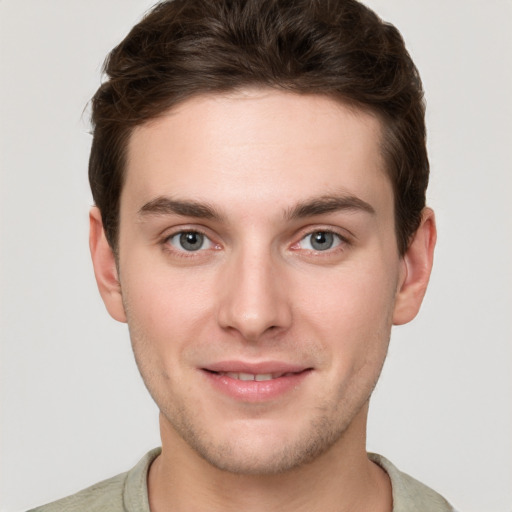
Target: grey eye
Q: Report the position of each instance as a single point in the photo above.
(320, 241)
(189, 241)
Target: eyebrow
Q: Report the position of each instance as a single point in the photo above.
(316, 206)
(168, 206)
(329, 204)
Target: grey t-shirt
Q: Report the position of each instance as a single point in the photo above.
(128, 492)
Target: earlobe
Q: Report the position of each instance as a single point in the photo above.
(105, 270)
(417, 262)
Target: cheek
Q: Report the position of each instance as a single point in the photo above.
(352, 307)
(167, 307)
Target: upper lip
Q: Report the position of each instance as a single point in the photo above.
(256, 368)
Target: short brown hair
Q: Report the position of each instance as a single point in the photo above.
(338, 48)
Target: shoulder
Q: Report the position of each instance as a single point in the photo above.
(106, 495)
(410, 495)
(124, 492)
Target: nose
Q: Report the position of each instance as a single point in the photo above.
(253, 298)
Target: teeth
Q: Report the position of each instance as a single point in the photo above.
(249, 376)
(263, 376)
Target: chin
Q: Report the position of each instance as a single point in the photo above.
(267, 450)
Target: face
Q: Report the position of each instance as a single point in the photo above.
(259, 273)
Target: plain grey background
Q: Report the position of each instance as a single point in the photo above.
(74, 409)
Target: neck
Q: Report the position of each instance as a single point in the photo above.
(339, 480)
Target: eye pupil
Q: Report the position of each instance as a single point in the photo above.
(322, 240)
(191, 241)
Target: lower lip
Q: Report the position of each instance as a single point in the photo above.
(256, 391)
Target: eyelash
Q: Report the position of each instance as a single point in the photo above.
(340, 245)
(183, 253)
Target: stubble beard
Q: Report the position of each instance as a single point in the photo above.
(329, 425)
(239, 458)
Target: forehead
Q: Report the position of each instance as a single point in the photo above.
(256, 144)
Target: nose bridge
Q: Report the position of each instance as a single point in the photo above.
(253, 301)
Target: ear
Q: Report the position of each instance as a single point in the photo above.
(105, 269)
(417, 265)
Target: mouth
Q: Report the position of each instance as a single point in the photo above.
(258, 377)
(259, 383)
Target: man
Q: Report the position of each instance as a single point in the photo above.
(259, 173)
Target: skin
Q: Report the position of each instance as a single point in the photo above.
(262, 165)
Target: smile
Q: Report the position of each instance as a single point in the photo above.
(257, 377)
(256, 386)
